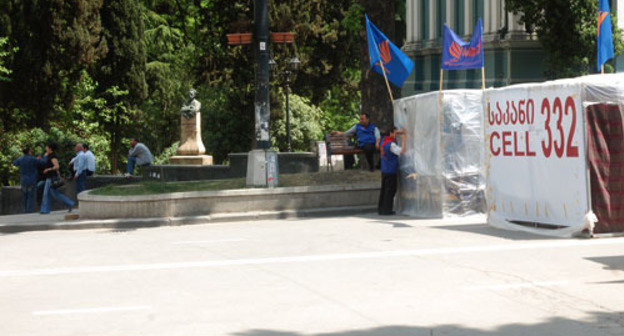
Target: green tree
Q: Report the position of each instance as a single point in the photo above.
(169, 75)
(567, 32)
(124, 64)
(56, 40)
(117, 119)
(4, 52)
(305, 120)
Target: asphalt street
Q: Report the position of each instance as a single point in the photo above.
(352, 276)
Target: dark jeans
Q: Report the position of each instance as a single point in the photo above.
(39, 189)
(349, 161)
(386, 196)
(28, 198)
(81, 182)
(132, 163)
(49, 193)
(369, 153)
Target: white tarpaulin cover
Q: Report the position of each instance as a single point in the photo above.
(441, 173)
(537, 164)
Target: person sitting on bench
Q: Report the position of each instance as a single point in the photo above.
(368, 137)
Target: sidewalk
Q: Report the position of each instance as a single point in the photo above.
(56, 219)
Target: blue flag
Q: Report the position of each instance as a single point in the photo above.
(383, 52)
(605, 39)
(457, 54)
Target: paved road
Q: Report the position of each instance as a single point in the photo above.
(356, 276)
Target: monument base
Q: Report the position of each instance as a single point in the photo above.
(262, 168)
(192, 160)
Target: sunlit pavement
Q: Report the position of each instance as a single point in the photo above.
(353, 276)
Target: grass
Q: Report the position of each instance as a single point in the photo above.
(290, 180)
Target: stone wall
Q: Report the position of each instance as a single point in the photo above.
(289, 163)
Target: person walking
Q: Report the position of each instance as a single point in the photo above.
(79, 163)
(139, 155)
(90, 160)
(368, 137)
(51, 174)
(28, 165)
(390, 152)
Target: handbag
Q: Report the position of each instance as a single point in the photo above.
(57, 181)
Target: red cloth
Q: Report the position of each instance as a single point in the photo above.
(606, 166)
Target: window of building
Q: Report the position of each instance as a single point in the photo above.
(424, 20)
(441, 15)
(459, 17)
(479, 9)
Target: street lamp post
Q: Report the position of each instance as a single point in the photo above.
(287, 87)
(262, 163)
(293, 67)
(262, 55)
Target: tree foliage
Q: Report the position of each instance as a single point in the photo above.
(4, 52)
(101, 71)
(125, 61)
(567, 32)
(306, 126)
(56, 40)
(375, 97)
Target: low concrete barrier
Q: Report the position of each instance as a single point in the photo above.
(204, 203)
(11, 197)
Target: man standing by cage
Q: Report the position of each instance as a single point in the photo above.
(390, 152)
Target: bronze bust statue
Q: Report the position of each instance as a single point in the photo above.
(191, 107)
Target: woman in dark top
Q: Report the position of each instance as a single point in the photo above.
(50, 173)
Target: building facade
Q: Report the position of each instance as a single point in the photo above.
(512, 55)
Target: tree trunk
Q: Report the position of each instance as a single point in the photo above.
(114, 145)
(114, 153)
(375, 97)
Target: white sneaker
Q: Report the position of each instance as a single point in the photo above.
(127, 175)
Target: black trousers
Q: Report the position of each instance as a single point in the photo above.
(369, 153)
(386, 195)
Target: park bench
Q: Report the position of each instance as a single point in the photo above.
(340, 144)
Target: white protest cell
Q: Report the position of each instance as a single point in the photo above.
(536, 166)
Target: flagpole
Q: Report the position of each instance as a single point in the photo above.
(483, 78)
(383, 69)
(441, 79)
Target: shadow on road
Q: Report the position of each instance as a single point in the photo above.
(598, 324)
(394, 224)
(486, 230)
(611, 263)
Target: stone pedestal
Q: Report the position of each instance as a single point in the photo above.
(196, 160)
(191, 150)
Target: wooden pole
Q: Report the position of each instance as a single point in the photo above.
(602, 70)
(483, 78)
(383, 69)
(441, 79)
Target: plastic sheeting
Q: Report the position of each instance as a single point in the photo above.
(441, 172)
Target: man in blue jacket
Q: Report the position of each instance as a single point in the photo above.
(368, 137)
(28, 165)
(390, 152)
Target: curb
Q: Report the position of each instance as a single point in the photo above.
(136, 223)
